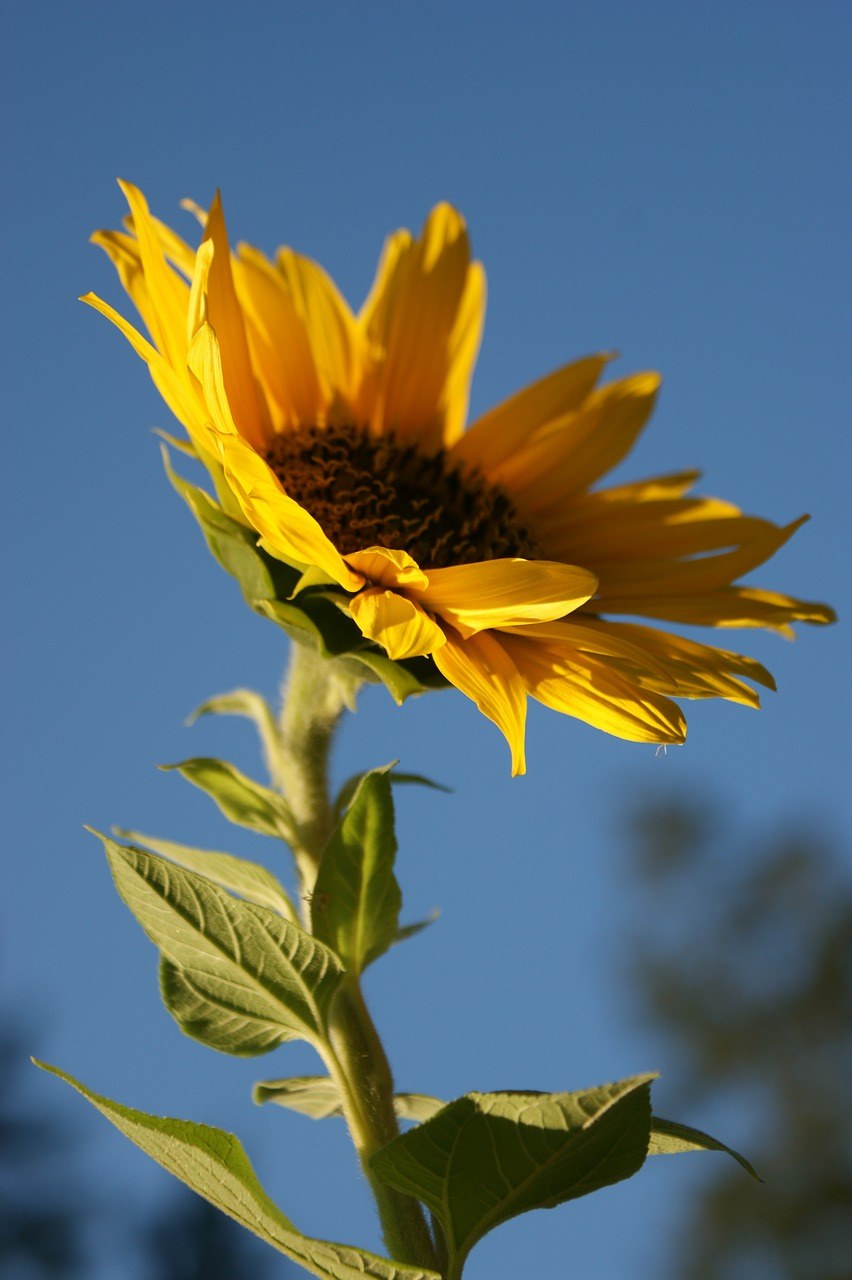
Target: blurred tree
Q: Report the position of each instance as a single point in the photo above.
(193, 1241)
(744, 959)
(40, 1221)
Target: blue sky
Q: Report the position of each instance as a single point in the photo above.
(665, 180)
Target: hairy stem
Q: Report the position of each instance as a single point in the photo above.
(316, 691)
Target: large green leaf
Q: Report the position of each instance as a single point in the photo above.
(670, 1138)
(235, 975)
(248, 879)
(319, 1098)
(241, 799)
(356, 898)
(489, 1156)
(214, 1163)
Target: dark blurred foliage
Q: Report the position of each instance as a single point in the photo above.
(193, 1241)
(56, 1224)
(40, 1222)
(744, 961)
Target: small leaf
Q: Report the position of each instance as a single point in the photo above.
(410, 930)
(248, 879)
(348, 789)
(314, 1096)
(670, 1138)
(214, 1164)
(489, 1156)
(243, 702)
(241, 799)
(319, 1098)
(235, 976)
(417, 1106)
(356, 898)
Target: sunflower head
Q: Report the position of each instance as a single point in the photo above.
(357, 507)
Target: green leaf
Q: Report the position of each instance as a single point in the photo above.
(241, 799)
(356, 898)
(235, 976)
(347, 791)
(670, 1138)
(319, 1098)
(248, 879)
(489, 1156)
(214, 1164)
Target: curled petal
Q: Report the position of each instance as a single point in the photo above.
(395, 622)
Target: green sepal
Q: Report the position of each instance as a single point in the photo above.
(234, 545)
(242, 800)
(356, 898)
(214, 1164)
(319, 1098)
(236, 976)
(297, 599)
(248, 880)
(670, 1138)
(488, 1157)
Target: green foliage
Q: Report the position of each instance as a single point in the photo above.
(235, 975)
(488, 1157)
(214, 1164)
(247, 879)
(356, 898)
(670, 1138)
(241, 799)
(319, 1098)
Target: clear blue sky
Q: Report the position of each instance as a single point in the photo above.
(666, 179)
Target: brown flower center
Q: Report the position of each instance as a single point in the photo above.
(366, 491)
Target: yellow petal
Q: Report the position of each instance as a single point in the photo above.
(168, 294)
(425, 314)
(395, 622)
(500, 433)
(570, 453)
(288, 529)
(247, 404)
(725, 607)
(205, 361)
(464, 345)
(278, 340)
(481, 669)
(661, 576)
(387, 567)
(505, 593)
(331, 328)
(698, 670)
(580, 685)
(175, 389)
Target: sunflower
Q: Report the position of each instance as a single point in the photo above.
(340, 439)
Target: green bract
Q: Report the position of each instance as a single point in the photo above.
(309, 613)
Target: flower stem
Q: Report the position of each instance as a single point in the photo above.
(315, 693)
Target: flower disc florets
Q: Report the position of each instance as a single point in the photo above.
(368, 490)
